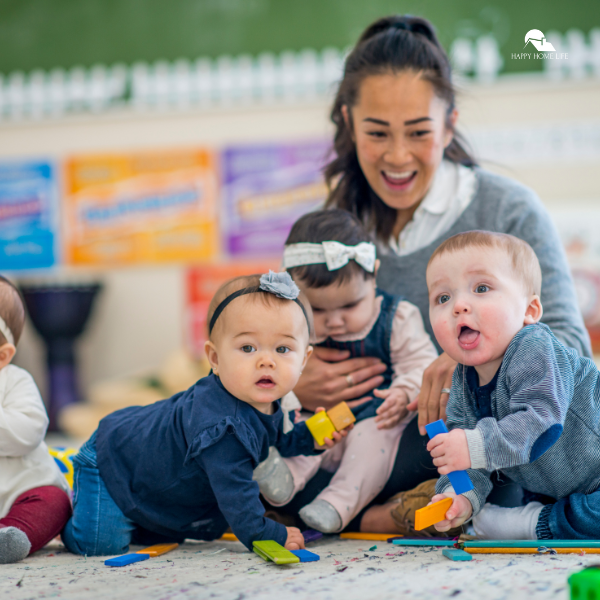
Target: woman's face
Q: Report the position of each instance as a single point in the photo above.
(400, 134)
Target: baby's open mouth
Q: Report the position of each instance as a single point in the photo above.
(467, 335)
(265, 382)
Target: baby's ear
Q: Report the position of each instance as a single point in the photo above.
(212, 356)
(534, 311)
(7, 352)
(309, 351)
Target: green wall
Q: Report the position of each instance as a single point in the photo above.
(50, 33)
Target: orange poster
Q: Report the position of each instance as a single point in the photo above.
(146, 207)
(202, 284)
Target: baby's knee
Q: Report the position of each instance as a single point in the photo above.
(87, 542)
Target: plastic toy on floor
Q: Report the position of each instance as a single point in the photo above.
(271, 550)
(432, 514)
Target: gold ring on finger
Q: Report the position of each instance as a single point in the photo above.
(349, 380)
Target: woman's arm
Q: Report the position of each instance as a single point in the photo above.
(525, 217)
(328, 374)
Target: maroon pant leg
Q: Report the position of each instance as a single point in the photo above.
(40, 513)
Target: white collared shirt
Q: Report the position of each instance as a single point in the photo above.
(451, 191)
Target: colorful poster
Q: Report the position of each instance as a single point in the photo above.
(202, 284)
(265, 189)
(28, 201)
(148, 207)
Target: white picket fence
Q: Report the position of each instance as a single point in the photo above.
(267, 78)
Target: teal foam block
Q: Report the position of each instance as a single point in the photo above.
(126, 559)
(423, 542)
(454, 554)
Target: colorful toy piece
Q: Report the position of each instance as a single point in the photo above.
(585, 584)
(228, 537)
(271, 550)
(423, 542)
(323, 424)
(432, 514)
(341, 416)
(126, 559)
(459, 479)
(306, 555)
(311, 535)
(157, 549)
(64, 459)
(359, 535)
(455, 554)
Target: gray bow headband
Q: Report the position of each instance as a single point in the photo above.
(278, 284)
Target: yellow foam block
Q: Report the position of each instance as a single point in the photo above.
(158, 549)
(341, 416)
(228, 537)
(359, 535)
(432, 514)
(321, 427)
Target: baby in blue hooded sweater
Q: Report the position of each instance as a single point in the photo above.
(521, 402)
(182, 468)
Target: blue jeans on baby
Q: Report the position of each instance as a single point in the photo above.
(98, 526)
(575, 517)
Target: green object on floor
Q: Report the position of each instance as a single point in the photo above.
(585, 585)
(271, 550)
(372, 548)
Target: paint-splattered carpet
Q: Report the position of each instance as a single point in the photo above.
(347, 570)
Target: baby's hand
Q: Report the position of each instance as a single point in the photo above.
(459, 512)
(393, 410)
(450, 451)
(295, 540)
(337, 436)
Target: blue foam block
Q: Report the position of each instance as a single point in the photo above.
(126, 559)
(454, 554)
(305, 555)
(459, 479)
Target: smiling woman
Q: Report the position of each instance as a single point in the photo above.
(401, 168)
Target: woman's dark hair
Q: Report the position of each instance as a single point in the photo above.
(392, 44)
(334, 225)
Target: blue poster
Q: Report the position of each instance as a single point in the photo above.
(27, 215)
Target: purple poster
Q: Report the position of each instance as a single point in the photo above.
(265, 189)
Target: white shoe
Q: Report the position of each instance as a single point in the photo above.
(274, 479)
(322, 516)
(499, 523)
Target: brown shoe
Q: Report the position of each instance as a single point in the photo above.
(406, 503)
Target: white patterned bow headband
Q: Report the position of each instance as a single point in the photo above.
(334, 254)
(6, 332)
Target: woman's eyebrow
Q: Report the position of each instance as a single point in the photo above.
(419, 120)
(387, 124)
(376, 121)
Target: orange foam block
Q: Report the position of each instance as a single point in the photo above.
(359, 535)
(341, 416)
(158, 549)
(228, 537)
(432, 514)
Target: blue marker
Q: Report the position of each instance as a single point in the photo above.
(459, 479)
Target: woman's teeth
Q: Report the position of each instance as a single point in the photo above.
(398, 177)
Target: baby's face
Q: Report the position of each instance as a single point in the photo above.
(477, 304)
(341, 309)
(259, 349)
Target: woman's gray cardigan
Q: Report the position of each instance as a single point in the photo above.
(506, 206)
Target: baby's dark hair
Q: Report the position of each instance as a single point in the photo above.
(333, 225)
(12, 309)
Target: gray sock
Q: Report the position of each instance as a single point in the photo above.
(14, 545)
(322, 516)
(274, 479)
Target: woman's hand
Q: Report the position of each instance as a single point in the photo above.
(393, 409)
(330, 377)
(459, 512)
(295, 540)
(431, 401)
